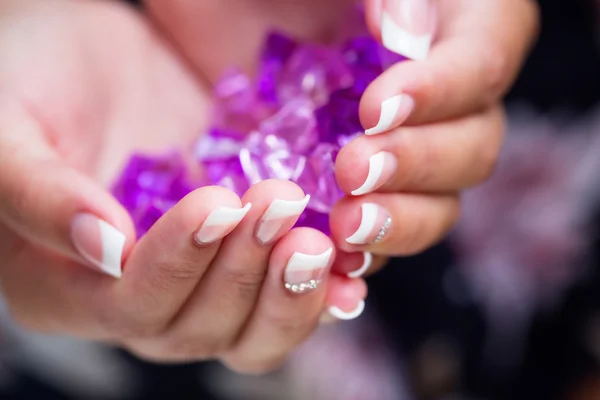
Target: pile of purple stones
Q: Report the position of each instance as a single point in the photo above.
(288, 124)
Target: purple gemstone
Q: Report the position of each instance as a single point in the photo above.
(315, 219)
(295, 124)
(318, 178)
(277, 50)
(338, 121)
(149, 186)
(314, 72)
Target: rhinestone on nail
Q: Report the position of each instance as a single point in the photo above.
(303, 287)
(383, 230)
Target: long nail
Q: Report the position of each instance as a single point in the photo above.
(394, 111)
(381, 168)
(407, 27)
(99, 243)
(279, 218)
(367, 261)
(347, 315)
(220, 223)
(374, 224)
(304, 272)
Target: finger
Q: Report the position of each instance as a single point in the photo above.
(345, 299)
(356, 265)
(431, 158)
(229, 291)
(392, 224)
(290, 303)
(478, 51)
(53, 205)
(168, 262)
(48, 293)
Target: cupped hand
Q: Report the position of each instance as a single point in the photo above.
(83, 85)
(433, 125)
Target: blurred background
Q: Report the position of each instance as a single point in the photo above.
(507, 308)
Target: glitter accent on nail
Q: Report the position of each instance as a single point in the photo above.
(303, 287)
(383, 230)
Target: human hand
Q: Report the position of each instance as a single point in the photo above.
(199, 285)
(434, 125)
(449, 104)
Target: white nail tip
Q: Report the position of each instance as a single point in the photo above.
(306, 262)
(376, 165)
(368, 260)
(347, 316)
(403, 42)
(367, 223)
(285, 208)
(226, 216)
(113, 242)
(389, 109)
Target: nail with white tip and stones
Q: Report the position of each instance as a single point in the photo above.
(279, 218)
(347, 315)
(407, 27)
(367, 261)
(98, 242)
(394, 111)
(382, 167)
(220, 223)
(374, 224)
(304, 271)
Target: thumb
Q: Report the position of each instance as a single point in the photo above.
(53, 205)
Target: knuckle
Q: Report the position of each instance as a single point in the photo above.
(125, 323)
(419, 157)
(194, 348)
(242, 366)
(168, 274)
(246, 283)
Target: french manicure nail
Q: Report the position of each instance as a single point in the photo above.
(347, 315)
(394, 111)
(374, 225)
(219, 223)
(304, 272)
(99, 243)
(279, 218)
(381, 168)
(407, 27)
(367, 261)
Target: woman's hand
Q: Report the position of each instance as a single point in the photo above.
(433, 126)
(83, 85)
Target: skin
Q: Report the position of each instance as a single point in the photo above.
(65, 131)
(66, 128)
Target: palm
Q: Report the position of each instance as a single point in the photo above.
(102, 84)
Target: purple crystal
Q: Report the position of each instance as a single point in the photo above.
(318, 178)
(289, 124)
(314, 72)
(149, 186)
(294, 124)
(277, 50)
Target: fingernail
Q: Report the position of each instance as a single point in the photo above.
(99, 243)
(347, 315)
(407, 27)
(368, 260)
(374, 224)
(381, 168)
(219, 223)
(394, 111)
(279, 218)
(304, 272)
